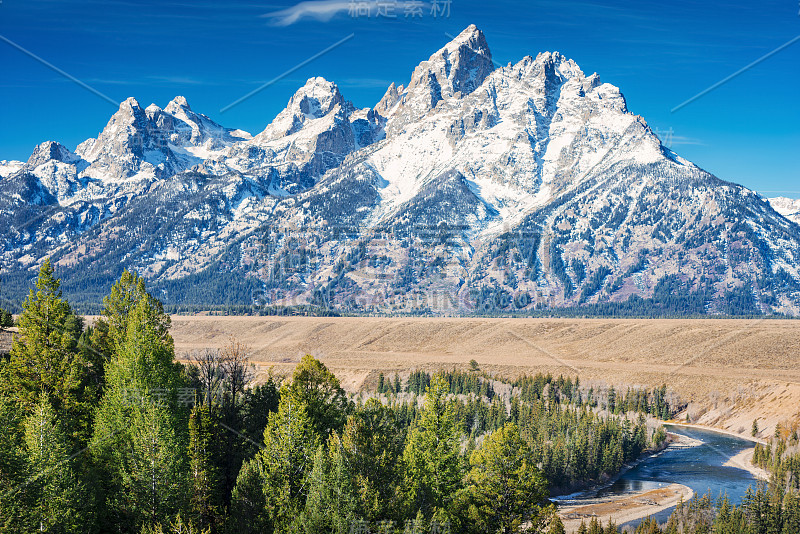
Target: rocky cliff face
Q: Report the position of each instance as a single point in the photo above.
(471, 189)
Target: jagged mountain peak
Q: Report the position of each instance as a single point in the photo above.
(470, 37)
(458, 68)
(176, 104)
(50, 150)
(550, 191)
(316, 98)
(130, 106)
(153, 111)
(389, 99)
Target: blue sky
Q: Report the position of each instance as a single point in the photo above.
(659, 53)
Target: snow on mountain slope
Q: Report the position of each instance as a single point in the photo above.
(472, 189)
(153, 143)
(788, 207)
(9, 167)
(313, 134)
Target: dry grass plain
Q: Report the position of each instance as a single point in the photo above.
(730, 371)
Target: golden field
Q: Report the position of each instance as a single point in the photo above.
(730, 371)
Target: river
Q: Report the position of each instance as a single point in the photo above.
(701, 468)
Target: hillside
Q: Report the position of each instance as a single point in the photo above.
(730, 371)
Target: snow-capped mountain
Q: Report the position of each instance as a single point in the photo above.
(788, 207)
(469, 189)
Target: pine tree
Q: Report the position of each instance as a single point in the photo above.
(281, 467)
(140, 433)
(127, 294)
(13, 466)
(398, 386)
(249, 513)
(332, 504)
(556, 526)
(154, 478)
(431, 455)
(44, 362)
(504, 484)
(6, 319)
(372, 444)
(791, 506)
(204, 479)
(55, 497)
(381, 384)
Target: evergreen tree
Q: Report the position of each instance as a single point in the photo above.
(556, 526)
(55, 497)
(504, 484)
(791, 507)
(381, 384)
(128, 293)
(141, 430)
(431, 455)
(13, 466)
(204, 479)
(398, 386)
(6, 319)
(154, 477)
(249, 513)
(372, 444)
(332, 501)
(281, 467)
(44, 362)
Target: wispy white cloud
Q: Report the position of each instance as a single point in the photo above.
(321, 10)
(325, 10)
(155, 80)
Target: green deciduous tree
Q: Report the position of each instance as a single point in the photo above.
(316, 388)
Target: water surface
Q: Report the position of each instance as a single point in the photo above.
(701, 468)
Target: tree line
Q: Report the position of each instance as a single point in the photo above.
(103, 431)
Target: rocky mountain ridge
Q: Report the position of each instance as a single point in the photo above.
(472, 189)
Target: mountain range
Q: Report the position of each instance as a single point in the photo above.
(475, 188)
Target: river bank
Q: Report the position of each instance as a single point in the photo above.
(695, 461)
(583, 505)
(624, 509)
(739, 435)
